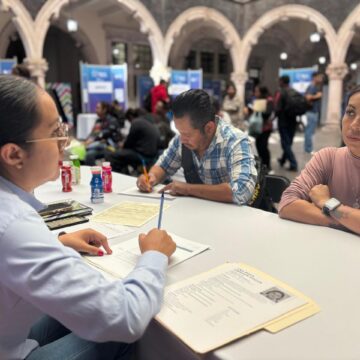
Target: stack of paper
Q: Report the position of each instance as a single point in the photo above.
(228, 302)
(126, 255)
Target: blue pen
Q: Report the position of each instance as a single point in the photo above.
(161, 209)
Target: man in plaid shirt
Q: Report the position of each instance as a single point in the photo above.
(216, 157)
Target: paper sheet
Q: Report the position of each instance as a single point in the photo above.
(126, 254)
(230, 301)
(134, 191)
(128, 213)
(109, 230)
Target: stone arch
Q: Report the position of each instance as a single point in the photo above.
(23, 23)
(346, 34)
(206, 15)
(283, 13)
(147, 22)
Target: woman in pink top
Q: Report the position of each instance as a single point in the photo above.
(327, 192)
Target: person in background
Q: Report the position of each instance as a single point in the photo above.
(327, 192)
(53, 304)
(262, 140)
(313, 95)
(286, 123)
(216, 157)
(234, 106)
(141, 144)
(221, 113)
(104, 133)
(159, 93)
(163, 124)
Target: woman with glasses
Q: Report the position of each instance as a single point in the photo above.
(52, 304)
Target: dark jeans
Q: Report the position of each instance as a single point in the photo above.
(120, 159)
(287, 136)
(262, 142)
(58, 343)
(94, 151)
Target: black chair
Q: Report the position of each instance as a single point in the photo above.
(275, 186)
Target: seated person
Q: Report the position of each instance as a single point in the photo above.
(106, 132)
(141, 144)
(163, 124)
(327, 192)
(216, 157)
(53, 304)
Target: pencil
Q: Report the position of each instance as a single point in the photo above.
(161, 209)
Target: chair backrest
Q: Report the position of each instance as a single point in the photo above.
(275, 186)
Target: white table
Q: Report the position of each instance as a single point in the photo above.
(84, 125)
(322, 263)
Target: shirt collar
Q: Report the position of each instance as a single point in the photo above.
(23, 195)
(218, 138)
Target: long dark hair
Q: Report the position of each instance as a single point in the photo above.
(19, 113)
(351, 93)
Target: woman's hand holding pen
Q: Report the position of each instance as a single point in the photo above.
(146, 183)
(157, 240)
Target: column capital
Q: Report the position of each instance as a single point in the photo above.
(240, 77)
(38, 68)
(159, 71)
(337, 71)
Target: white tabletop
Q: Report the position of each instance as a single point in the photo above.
(322, 263)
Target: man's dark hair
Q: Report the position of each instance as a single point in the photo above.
(162, 81)
(197, 105)
(285, 79)
(22, 71)
(18, 109)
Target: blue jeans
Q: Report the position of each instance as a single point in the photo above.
(312, 121)
(287, 136)
(58, 343)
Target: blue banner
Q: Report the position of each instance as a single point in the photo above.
(213, 88)
(6, 65)
(144, 85)
(300, 79)
(103, 83)
(183, 80)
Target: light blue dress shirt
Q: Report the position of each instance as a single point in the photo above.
(38, 275)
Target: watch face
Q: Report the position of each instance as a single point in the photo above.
(332, 204)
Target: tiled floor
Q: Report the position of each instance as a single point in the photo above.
(324, 137)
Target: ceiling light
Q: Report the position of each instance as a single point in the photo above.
(283, 56)
(322, 59)
(315, 37)
(353, 66)
(72, 25)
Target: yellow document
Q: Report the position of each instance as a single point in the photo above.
(230, 301)
(129, 213)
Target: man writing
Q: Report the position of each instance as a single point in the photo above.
(216, 157)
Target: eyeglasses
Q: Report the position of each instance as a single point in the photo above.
(61, 135)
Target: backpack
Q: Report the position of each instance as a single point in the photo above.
(255, 124)
(261, 198)
(147, 102)
(296, 104)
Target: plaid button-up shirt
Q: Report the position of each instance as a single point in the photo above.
(228, 159)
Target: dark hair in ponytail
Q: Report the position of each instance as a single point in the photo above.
(18, 109)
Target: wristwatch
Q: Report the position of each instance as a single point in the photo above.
(330, 206)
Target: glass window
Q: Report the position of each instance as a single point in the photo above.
(190, 60)
(207, 62)
(142, 57)
(223, 64)
(118, 52)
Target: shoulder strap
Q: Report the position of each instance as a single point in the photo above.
(190, 172)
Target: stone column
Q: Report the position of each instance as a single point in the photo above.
(38, 68)
(336, 74)
(239, 80)
(159, 72)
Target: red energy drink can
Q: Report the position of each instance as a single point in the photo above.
(66, 176)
